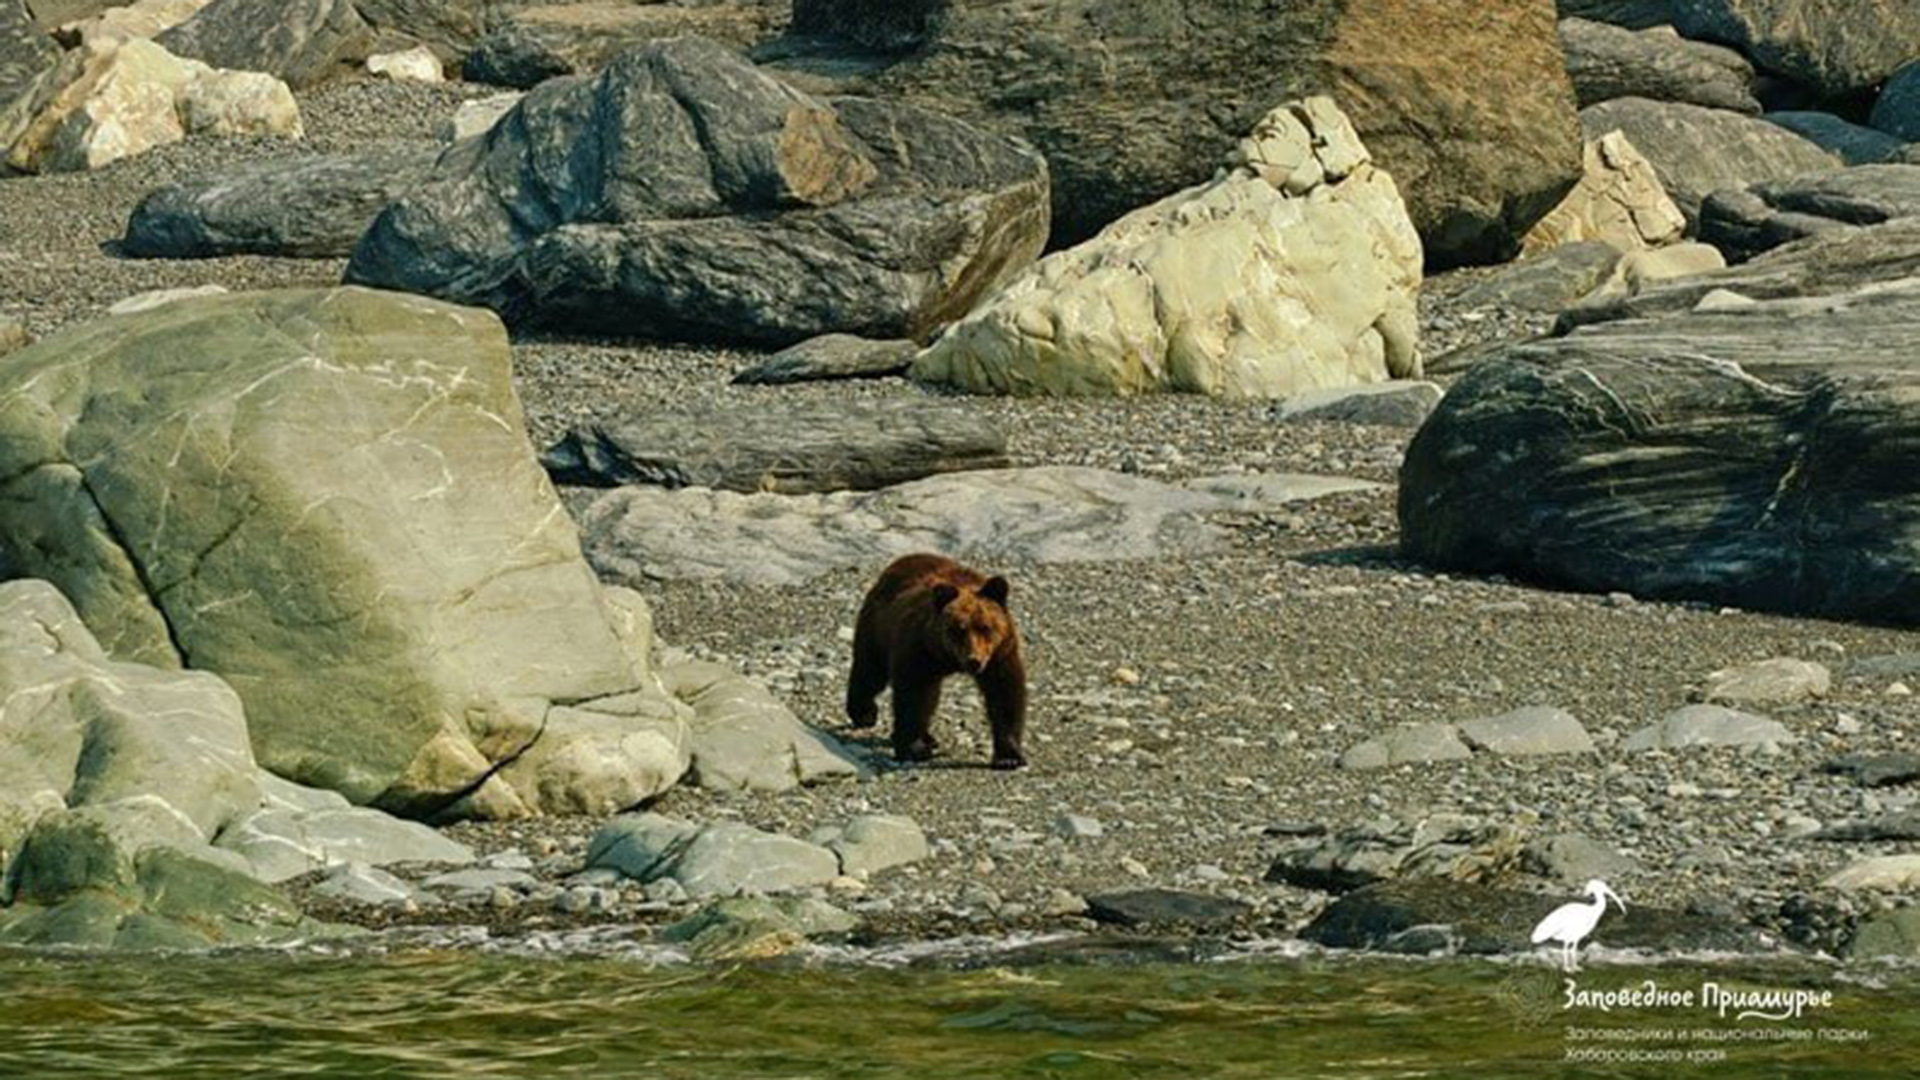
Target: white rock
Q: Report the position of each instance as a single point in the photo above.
(1296, 270)
(142, 19)
(1780, 680)
(115, 98)
(417, 63)
(477, 117)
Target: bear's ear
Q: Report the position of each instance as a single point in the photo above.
(943, 594)
(996, 590)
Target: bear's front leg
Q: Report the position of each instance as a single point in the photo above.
(1003, 685)
(915, 699)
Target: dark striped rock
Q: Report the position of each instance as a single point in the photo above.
(529, 46)
(1745, 222)
(1836, 47)
(1607, 62)
(302, 42)
(1751, 453)
(310, 207)
(683, 193)
(781, 446)
(830, 357)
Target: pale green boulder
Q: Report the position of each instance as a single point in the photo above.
(1296, 269)
(143, 755)
(328, 498)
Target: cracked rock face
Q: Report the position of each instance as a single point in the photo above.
(1755, 453)
(327, 497)
(684, 193)
(1296, 270)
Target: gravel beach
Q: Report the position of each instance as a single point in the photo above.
(1186, 706)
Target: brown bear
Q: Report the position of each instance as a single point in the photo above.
(928, 617)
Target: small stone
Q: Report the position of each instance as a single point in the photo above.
(1078, 827)
(1064, 902)
(1134, 866)
(1125, 676)
(1780, 680)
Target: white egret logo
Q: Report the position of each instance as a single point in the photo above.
(1569, 924)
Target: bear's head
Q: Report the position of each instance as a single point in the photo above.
(976, 624)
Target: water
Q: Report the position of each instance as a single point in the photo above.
(466, 1013)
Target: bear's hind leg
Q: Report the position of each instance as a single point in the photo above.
(864, 683)
(915, 700)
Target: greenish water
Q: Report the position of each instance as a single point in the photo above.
(463, 1013)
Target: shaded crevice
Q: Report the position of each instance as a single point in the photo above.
(140, 572)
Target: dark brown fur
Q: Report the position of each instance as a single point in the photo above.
(928, 617)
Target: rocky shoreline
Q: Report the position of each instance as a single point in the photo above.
(1195, 712)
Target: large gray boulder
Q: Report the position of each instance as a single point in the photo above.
(781, 446)
(1836, 47)
(1631, 14)
(315, 207)
(527, 47)
(1697, 151)
(1607, 62)
(1045, 514)
(1756, 454)
(300, 41)
(327, 497)
(1745, 222)
(684, 193)
(1465, 102)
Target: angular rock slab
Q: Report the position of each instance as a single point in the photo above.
(683, 193)
(1697, 151)
(527, 47)
(1046, 514)
(725, 858)
(1465, 102)
(1708, 725)
(1402, 403)
(1296, 270)
(315, 207)
(830, 357)
(1643, 457)
(1744, 223)
(743, 739)
(327, 497)
(280, 844)
(1837, 47)
(1835, 263)
(1607, 62)
(1546, 282)
(301, 41)
(792, 448)
(1164, 907)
